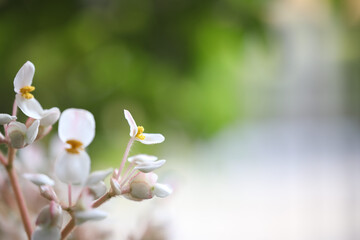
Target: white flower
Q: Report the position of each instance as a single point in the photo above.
(26, 101)
(146, 163)
(20, 136)
(77, 129)
(137, 132)
(145, 186)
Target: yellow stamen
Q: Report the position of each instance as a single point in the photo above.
(25, 92)
(75, 146)
(139, 134)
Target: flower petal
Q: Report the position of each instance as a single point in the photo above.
(152, 138)
(24, 76)
(30, 107)
(6, 118)
(97, 176)
(39, 179)
(149, 167)
(142, 158)
(73, 168)
(132, 123)
(92, 214)
(44, 233)
(162, 190)
(77, 124)
(32, 132)
(50, 116)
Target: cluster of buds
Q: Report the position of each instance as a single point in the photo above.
(77, 130)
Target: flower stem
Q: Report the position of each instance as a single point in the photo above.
(101, 200)
(69, 194)
(18, 194)
(127, 150)
(68, 228)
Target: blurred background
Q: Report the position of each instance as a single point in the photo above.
(258, 100)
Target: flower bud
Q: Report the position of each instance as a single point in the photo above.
(98, 189)
(39, 179)
(50, 216)
(16, 133)
(20, 136)
(97, 176)
(6, 118)
(48, 192)
(91, 214)
(142, 186)
(115, 186)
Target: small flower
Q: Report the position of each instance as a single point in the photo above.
(77, 129)
(146, 163)
(20, 136)
(26, 100)
(137, 132)
(145, 186)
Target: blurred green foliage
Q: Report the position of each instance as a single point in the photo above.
(174, 64)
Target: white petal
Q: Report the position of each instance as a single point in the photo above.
(77, 124)
(43, 233)
(50, 116)
(162, 190)
(92, 214)
(115, 186)
(24, 76)
(98, 189)
(132, 123)
(32, 132)
(97, 176)
(6, 118)
(30, 107)
(142, 158)
(39, 179)
(152, 138)
(73, 168)
(149, 167)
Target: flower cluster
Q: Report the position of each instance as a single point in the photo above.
(76, 130)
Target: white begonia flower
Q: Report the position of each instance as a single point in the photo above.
(20, 136)
(6, 118)
(39, 179)
(145, 186)
(77, 129)
(26, 101)
(146, 163)
(137, 132)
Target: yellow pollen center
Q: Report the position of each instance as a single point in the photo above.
(25, 92)
(75, 146)
(139, 134)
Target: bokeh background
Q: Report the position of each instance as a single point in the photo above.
(258, 101)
